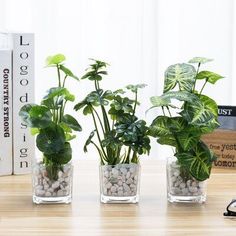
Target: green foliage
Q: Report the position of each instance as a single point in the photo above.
(196, 115)
(121, 136)
(53, 128)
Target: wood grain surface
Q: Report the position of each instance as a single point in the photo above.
(153, 215)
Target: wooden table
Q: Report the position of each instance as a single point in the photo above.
(87, 216)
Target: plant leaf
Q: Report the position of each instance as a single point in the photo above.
(160, 127)
(88, 141)
(198, 161)
(51, 139)
(63, 156)
(134, 88)
(71, 122)
(211, 77)
(201, 60)
(68, 72)
(55, 60)
(179, 74)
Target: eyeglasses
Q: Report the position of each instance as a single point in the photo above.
(231, 209)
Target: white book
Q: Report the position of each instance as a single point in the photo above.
(23, 93)
(5, 111)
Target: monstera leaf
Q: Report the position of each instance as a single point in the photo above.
(182, 75)
(201, 113)
(198, 161)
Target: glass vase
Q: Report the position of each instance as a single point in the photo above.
(52, 184)
(181, 187)
(119, 183)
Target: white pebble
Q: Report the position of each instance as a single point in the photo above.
(123, 171)
(48, 194)
(120, 183)
(113, 189)
(132, 169)
(60, 193)
(108, 185)
(106, 174)
(115, 172)
(46, 186)
(177, 173)
(129, 181)
(55, 185)
(120, 193)
(182, 185)
(128, 175)
(193, 189)
(60, 174)
(39, 192)
(126, 187)
(184, 191)
(194, 184)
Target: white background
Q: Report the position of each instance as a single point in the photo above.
(138, 38)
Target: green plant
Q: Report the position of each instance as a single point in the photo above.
(195, 115)
(54, 128)
(121, 136)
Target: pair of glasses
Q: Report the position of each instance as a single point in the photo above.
(231, 209)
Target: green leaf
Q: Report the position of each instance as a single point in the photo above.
(24, 113)
(167, 140)
(63, 156)
(179, 74)
(211, 77)
(201, 114)
(40, 117)
(87, 110)
(89, 140)
(201, 60)
(134, 88)
(36, 116)
(34, 131)
(160, 127)
(198, 161)
(71, 122)
(68, 72)
(187, 140)
(70, 137)
(165, 99)
(55, 60)
(51, 139)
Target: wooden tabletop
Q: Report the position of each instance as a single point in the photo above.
(153, 215)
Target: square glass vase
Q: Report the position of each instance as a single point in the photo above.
(119, 183)
(52, 184)
(181, 187)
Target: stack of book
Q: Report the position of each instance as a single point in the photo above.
(16, 89)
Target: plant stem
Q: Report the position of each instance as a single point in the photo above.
(64, 81)
(98, 135)
(163, 111)
(135, 102)
(168, 111)
(59, 76)
(99, 119)
(198, 67)
(204, 85)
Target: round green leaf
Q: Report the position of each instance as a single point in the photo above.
(55, 60)
(63, 156)
(199, 60)
(51, 139)
(211, 77)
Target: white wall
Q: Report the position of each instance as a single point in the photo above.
(139, 38)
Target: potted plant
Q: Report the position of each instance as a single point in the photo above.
(187, 115)
(121, 136)
(53, 171)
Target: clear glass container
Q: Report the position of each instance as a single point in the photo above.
(120, 183)
(181, 187)
(52, 184)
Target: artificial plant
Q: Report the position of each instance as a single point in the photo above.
(187, 115)
(121, 136)
(54, 128)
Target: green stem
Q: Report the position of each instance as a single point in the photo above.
(135, 103)
(127, 157)
(64, 82)
(163, 111)
(168, 111)
(98, 135)
(198, 67)
(59, 75)
(99, 119)
(204, 85)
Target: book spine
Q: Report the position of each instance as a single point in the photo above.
(6, 112)
(23, 93)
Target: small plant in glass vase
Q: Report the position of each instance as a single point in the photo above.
(53, 171)
(187, 115)
(121, 137)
